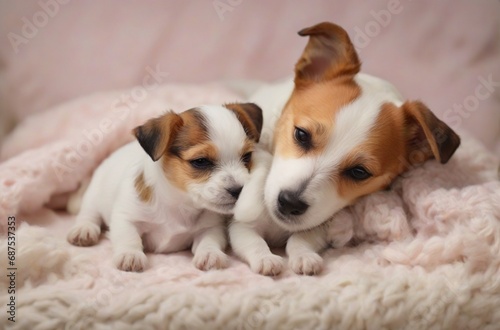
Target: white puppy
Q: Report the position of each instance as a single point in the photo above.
(169, 190)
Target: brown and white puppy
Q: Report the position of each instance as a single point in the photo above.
(170, 189)
(337, 135)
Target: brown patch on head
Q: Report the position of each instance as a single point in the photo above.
(191, 142)
(250, 117)
(401, 138)
(179, 170)
(380, 155)
(144, 191)
(313, 109)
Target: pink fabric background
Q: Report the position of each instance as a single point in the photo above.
(433, 51)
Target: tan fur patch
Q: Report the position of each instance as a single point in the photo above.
(144, 191)
(381, 155)
(191, 142)
(313, 108)
(202, 150)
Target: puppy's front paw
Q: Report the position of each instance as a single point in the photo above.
(307, 263)
(210, 259)
(131, 261)
(84, 234)
(269, 265)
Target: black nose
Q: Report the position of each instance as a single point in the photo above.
(289, 203)
(234, 191)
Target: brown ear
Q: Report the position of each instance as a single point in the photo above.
(250, 116)
(328, 54)
(156, 135)
(427, 136)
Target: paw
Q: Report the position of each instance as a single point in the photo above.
(210, 259)
(306, 263)
(84, 234)
(131, 261)
(269, 265)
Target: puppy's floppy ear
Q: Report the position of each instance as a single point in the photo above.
(427, 136)
(329, 54)
(250, 116)
(157, 134)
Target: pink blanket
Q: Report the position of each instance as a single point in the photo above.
(429, 252)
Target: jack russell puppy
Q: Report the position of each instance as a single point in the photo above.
(336, 135)
(172, 188)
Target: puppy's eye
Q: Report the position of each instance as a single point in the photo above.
(246, 158)
(357, 173)
(303, 138)
(201, 163)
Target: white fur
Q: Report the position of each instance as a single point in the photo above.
(173, 219)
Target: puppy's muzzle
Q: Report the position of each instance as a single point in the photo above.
(289, 203)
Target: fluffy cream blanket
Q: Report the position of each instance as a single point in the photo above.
(427, 253)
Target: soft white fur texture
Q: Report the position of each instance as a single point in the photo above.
(432, 263)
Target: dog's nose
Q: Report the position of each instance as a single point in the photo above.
(234, 191)
(289, 203)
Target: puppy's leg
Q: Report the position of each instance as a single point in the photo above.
(128, 252)
(209, 244)
(76, 198)
(252, 248)
(87, 227)
(250, 204)
(302, 249)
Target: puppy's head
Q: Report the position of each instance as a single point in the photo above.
(342, 135)
(205, 151)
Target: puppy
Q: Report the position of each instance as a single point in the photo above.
(171, 188)
(337, 135)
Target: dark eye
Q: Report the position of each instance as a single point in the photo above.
(201, 163)
(246, 158)
(303, 138)
(357, 173)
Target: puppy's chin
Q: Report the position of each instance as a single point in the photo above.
(296, 223)
(220, 208)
